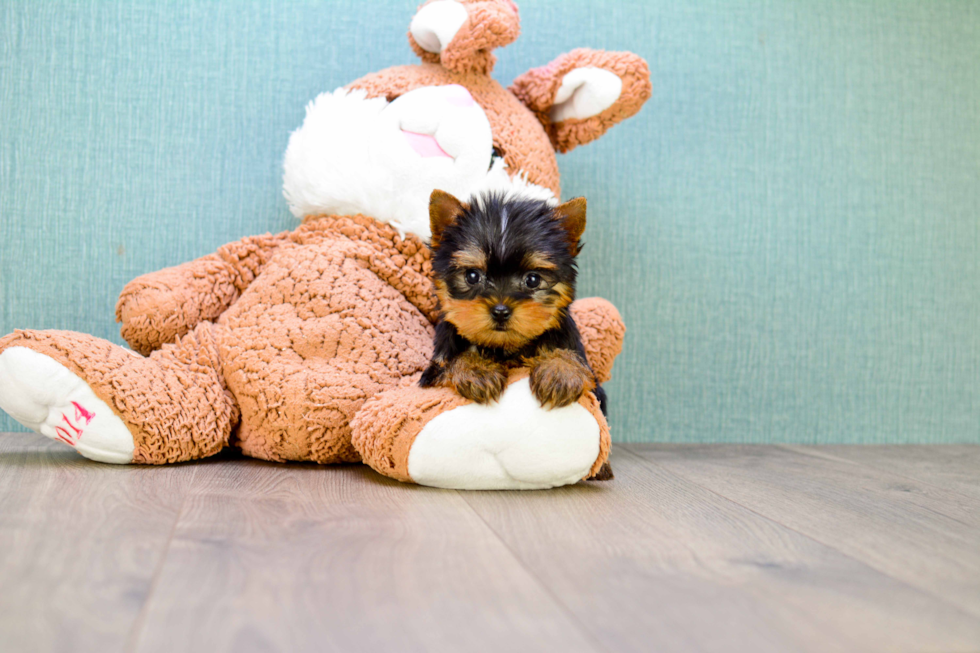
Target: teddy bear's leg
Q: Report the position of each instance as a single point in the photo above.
(297, 411)
(46, 397)
(435, 437)
(113, 405)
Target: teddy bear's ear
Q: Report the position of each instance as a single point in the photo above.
(461, 34)
(582, 93)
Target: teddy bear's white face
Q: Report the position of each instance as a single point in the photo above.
(383, 160)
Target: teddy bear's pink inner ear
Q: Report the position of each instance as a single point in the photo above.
(436, 24)
(585, 92)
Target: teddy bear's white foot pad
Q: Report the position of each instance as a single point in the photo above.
(48, 398)
(514, 444)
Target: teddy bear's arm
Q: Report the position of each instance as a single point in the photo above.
(158, 307)
(602, 331)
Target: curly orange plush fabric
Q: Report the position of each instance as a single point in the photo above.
(307, 345)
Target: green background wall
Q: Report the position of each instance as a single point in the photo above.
(790, 227)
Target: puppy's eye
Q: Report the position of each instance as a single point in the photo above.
(473, 277)
(532, 280)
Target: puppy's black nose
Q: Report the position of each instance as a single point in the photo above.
(500, 312)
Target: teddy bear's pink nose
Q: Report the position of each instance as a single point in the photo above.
(458, 96)
(424, 145)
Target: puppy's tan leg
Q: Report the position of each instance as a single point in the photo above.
(559, 377)
(475, 377)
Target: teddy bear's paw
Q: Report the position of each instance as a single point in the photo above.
(46, 397)
(511, 445)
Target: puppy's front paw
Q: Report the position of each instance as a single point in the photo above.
(559, 378)
(476, 378)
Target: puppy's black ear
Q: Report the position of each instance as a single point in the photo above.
(444, 209)
(571, 214)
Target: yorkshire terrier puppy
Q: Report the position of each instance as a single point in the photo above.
(505, 273)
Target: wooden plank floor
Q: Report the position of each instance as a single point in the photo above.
(691, 548)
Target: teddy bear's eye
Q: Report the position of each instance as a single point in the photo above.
(495, 154)
(473, 277)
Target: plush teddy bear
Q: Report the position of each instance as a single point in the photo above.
(307, 345)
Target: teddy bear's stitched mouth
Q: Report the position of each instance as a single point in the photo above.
(424, 145)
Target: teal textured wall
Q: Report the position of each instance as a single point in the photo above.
(791, 226)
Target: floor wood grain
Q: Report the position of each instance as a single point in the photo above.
(271, 557)
(953, 467)
(655, 562)
(690, 548)
(925, 536)
(79, 544)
